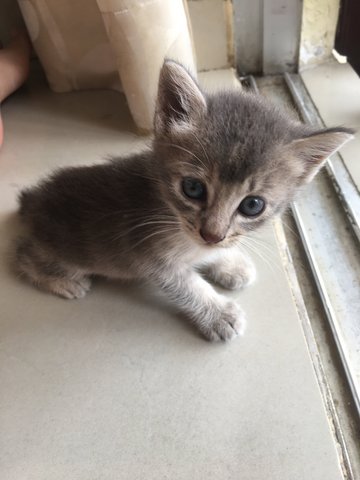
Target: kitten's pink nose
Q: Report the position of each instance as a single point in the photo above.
(211, 237)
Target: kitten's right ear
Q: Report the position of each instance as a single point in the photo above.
(314, 149)
(180, 102)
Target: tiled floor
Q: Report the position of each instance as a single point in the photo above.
(117, 385)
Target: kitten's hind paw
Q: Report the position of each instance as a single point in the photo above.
(47, 273)
(69, 288)
(229, 324)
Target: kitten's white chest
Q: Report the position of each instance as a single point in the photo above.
(198, 254)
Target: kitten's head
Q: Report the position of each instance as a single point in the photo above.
(229, 161)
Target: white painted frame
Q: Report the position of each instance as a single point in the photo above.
(267, 35)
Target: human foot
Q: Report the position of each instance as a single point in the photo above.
(14, 68)
(14, 64)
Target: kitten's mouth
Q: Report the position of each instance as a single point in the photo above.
(211, 244)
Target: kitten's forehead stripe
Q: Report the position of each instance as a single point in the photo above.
(240, 132)
(231, 173)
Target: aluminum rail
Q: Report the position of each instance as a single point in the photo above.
(335, 167)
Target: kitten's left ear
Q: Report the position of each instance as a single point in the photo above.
(314, 149)
(180, 102)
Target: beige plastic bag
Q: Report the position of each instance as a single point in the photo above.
(71, 42)
(142, 33)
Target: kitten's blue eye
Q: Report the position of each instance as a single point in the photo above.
(193, 188)
(251, 206)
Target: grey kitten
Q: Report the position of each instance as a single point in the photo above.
(220, 166)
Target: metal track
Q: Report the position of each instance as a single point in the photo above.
(332, 250)
(328, 227)
(329, 405)
(327, 219)
(335, 167)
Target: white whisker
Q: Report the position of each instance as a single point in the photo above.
(255, 248)
(201, 145)
(144, 224)
(160, 231)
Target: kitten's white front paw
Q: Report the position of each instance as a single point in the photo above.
(229, 324)
(235, 280)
